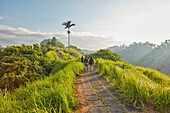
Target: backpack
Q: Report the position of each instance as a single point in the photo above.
(91, 61)
(86, 61)
(82, 59)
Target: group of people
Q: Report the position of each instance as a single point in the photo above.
(87, 62)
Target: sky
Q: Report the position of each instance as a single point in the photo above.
(99, 23)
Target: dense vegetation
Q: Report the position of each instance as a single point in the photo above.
(51, 94)
(73, 52)
(138, 85)
(37, 79)
(52, 42)
(20, 64)
(146, 55)
(105, 54)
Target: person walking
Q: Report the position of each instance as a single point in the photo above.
(91, 63)
(86, 63)
(82, 59)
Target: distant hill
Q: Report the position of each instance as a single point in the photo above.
(146, 55)
(1, 48)
(85, 51)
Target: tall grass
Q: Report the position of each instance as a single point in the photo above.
(73, 52)
(66, 56)
(155, 75)
(136, 86)
(52, 94)
(51, 55)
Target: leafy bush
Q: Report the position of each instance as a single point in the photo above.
(21, 64)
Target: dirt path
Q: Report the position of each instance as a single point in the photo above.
(98, 96)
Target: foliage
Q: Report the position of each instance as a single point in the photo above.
(52, 89)
(52, 42)
(1, 54)
(74, 47)
(66, 56)
(52, 56)
(77, 49)
(21, 64)
(105, 54)
(45, 48)
(73, 52)
(146, 55)
(155, 76)
(137, 85)
(52, 94)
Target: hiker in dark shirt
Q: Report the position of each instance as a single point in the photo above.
(91, 63)
(86, 63)
(82, 59)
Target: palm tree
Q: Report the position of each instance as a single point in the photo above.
(67, 26)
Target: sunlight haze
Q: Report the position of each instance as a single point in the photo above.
(99, 24)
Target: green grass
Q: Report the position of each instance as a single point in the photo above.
(52, 94)
(137, 85)
(51, 55)
(66, 56)
(73, 52)
(155, 75)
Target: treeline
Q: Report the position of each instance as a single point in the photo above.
(20, 64)
(146, 55)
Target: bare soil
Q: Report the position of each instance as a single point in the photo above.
(84, 107)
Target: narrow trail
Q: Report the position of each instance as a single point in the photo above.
(59, 55)
(100, 97)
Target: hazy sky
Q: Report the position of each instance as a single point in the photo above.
(99, 23)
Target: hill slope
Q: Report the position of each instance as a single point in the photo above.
(146, 55)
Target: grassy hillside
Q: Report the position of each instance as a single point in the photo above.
(73, 52)
(137, 85)
(51, 94)
(105, 54)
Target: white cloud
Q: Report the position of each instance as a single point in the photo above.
(84, 40)
(138, 20)
(1, 17)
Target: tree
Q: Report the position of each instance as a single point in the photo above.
(20, 64)
(52, 42)
(46, 42)
(106, 54)
(67, 26)
(38, 49)
(1, 54)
